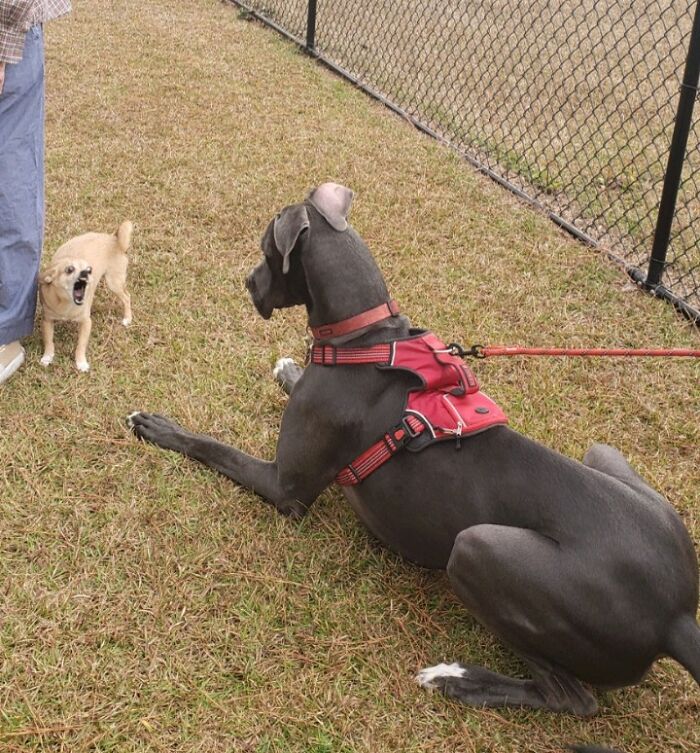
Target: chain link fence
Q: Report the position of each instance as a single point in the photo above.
(571, 103)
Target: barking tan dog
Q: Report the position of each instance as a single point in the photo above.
(68, 285)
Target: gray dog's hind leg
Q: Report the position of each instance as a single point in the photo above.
(477, 686)
(612, 462)
(510, 580)
(561, 690)
(287, 373)
(480, 687)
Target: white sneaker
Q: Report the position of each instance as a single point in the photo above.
(11, 358)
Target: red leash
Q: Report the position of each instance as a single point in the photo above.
(390, 308)
(485, 351)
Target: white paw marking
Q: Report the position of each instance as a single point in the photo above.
(426, 677)
(130, 418)
(281, 364)
(82, 366)
(46, 360)
(126, 322)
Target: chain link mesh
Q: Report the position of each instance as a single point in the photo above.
(571, 101)
(291, 15)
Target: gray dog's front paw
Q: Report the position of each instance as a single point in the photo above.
(287, 373)
(158, 430)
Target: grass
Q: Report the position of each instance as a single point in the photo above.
(150, 605)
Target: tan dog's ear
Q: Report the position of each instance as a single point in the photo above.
(288, 226)
(333, 202)
(50, 274)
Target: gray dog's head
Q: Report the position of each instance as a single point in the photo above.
(279, 280)
(314, 258)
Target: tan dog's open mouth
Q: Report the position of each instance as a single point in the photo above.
(79, 289)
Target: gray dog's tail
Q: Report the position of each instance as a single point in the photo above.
(124, 235)
(684, 645)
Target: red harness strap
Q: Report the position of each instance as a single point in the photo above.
(448, 405)
(329, 355)
(380, 451)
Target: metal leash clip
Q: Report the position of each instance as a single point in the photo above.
(476, 351)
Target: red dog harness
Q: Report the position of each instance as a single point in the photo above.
(448, 404)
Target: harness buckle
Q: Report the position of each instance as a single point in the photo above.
(410, 432)
(401, 434)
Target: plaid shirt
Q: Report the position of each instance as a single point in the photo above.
(18, 16)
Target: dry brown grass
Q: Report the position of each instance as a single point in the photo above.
(150, 605)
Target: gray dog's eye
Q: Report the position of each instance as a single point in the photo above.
(70, 270)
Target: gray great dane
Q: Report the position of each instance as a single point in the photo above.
(582, 569)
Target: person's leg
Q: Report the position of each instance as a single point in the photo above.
(21, 196)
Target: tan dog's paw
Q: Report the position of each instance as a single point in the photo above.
(46, 360)
(126, 321)
(82, 366)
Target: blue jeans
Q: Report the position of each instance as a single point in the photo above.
(21, 188)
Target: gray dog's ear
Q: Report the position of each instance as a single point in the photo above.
(287, 228)
(333, 202)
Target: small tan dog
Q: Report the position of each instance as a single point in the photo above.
(68, 285)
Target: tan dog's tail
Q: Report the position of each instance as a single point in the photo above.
(124, 235)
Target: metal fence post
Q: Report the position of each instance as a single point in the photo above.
(676, 156)
(311, 26)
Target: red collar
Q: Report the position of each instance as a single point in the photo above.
(359, 321)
